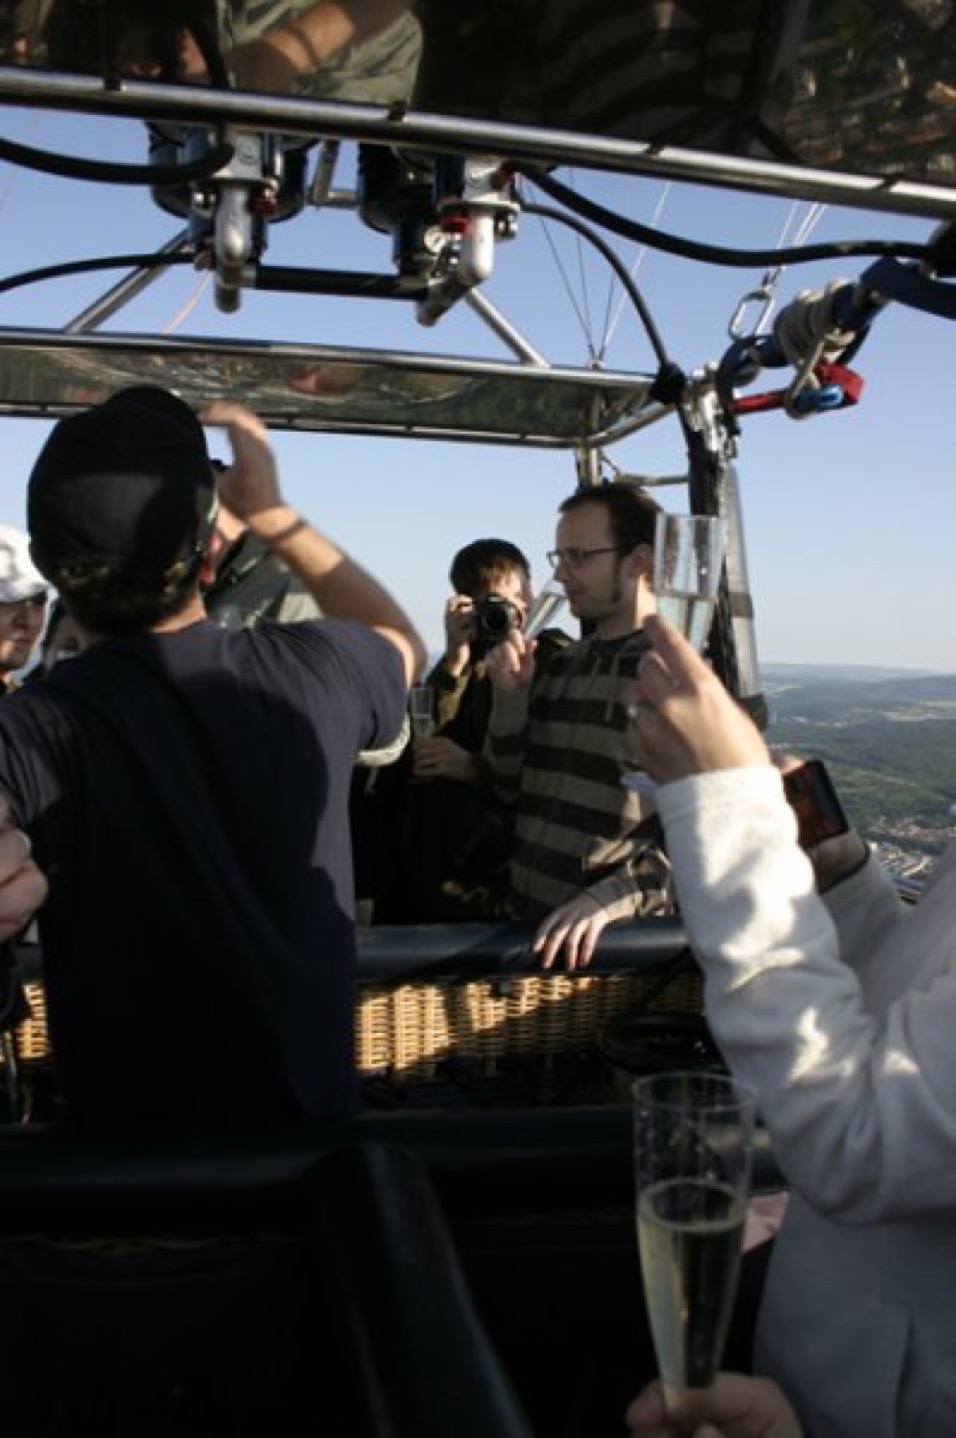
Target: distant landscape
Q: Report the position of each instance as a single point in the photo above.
(888, 738)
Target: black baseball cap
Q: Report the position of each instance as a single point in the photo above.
(128, 485)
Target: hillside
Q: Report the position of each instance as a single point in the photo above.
(888, 738)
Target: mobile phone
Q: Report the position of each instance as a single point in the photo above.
(813, 798)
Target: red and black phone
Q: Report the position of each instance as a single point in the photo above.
(811, 794)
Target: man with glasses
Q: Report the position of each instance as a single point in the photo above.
(587, 849)
(23, 596)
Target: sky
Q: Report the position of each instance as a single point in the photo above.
(849, 518)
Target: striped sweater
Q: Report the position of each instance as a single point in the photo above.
(558, 752)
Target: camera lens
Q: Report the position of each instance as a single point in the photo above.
(496, 617)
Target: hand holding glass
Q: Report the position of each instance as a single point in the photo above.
(688, 558)
(692, 1153)
(421, 711)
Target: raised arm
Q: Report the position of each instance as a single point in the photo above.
(510, 667)
(856, 1079)
(341, 588)
(302, 44)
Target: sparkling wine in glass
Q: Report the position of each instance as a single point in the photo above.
(549, 600)
(688, 559)
(421, 711)
(693, 1135)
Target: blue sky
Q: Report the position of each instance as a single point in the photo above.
(850, 518)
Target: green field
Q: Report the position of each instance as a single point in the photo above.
(890, 745)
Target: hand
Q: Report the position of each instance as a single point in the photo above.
(735, 1406)
(459, 633)
(836, 859)
(441, 758)
(685, 721)
(272, 64)
(510, 665)
(22, 887)
(573, 930)
(251, 485)
(268, 63)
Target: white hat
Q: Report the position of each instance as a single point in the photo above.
(19, 577)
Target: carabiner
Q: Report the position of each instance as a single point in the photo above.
(762, 296)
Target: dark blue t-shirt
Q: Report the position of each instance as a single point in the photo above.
(187, 797)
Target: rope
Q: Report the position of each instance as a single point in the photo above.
(617, 264)
(190, 304)
(763, 294)
(585, 297)
(717, 254)
(567, 283)
(609, 328)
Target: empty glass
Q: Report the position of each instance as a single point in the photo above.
(421, 710)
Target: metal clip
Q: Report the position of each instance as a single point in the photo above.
(762, 296)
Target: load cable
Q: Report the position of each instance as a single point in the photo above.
(611, 321)
(717, 254)
(617, 264)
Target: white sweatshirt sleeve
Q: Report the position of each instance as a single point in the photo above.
(841, 1013)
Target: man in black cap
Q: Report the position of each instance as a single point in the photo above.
(185, 787)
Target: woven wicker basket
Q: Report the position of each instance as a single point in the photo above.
(404, 1032)
(33, 1041)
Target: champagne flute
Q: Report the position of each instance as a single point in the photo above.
(548, 601)
(693, 1135)
(688, 559)
(421, 710)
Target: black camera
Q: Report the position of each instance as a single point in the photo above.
(495, 617)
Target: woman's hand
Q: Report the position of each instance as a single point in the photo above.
(684, 720)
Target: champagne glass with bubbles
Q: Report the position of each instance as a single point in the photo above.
(693, 1135)
(688, 559)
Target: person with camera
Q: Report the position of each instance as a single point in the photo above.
(491, 583)
(587, 849)
(454, 835)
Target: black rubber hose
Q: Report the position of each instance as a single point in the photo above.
(71, 167)
(616, 263)
(82, 267)
(715, 254)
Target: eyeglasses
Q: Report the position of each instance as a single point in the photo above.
(574, 558)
